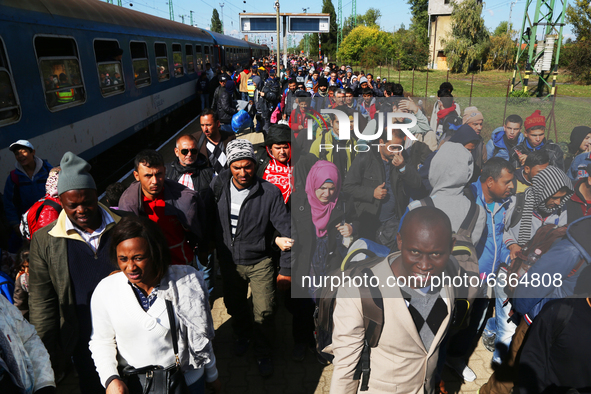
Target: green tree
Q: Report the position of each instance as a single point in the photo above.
(419, 10)
(216, 23)
(579, 15)
(329, 40)
(414, 52)
(361, 39)
(502, 29)
(468, 43)
(369, 19)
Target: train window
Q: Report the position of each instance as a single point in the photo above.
(60, 69)
(108, 59)
(141, 66)
(177, 59)
(199, 58)
(190, 64)
(10, 110)
(162, 62)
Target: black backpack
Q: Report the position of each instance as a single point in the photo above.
(372, 305)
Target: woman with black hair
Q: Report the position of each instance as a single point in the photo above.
(130, 313)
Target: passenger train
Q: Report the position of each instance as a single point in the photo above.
(83, 75)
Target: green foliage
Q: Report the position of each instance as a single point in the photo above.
(414, 50)
(468, 43)
(369, 19)
(580, 58)
(361, 39)
(419, 10)
(579, 15)
(216, 23)
(502, 29)
(519, 97)
(372, 56)
(329, 40)
(502, 52)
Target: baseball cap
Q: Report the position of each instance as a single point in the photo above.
(379, 77)
(223, 78)
(20, 144)
(272, 71)
(362, 80)
(349, 70)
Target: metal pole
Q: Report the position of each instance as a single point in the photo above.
(191, 12)
(412, 91)
(223, 28)
(447, 78)
(506, 99)
(278, 36)
(471, 86)
(285, 47)
(398, 71)
(427, 85)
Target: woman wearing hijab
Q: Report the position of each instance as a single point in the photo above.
(322, 228)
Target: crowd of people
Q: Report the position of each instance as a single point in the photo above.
(122, 291)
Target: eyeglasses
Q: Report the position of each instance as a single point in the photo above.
(184, 152)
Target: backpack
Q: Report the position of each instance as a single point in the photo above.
(451, 123)
(518, 210)
(372, 305)
(29, 219)
(543, 239)
(464, 251)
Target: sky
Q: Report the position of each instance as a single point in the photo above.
(394, 12)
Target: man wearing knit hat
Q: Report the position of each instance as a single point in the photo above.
(473, 118)
(68, 258)
(535, 139)
(250, 210)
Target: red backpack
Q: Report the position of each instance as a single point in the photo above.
(29, 221)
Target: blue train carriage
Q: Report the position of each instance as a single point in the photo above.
(82, 75)
(257, 51)
(229, 50)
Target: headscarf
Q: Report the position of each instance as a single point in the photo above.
(51, 183)
(318, 175)
(545, 184)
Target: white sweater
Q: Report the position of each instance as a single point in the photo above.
(124, 334)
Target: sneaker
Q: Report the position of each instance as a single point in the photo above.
(489, 342)
(299, 352)
(265, 367)
(460, 367)
(241, 346)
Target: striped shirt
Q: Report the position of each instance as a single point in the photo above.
(237, 197)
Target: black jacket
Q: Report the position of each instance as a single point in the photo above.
(367, 172)
(304, 234)
(225, 107)
(201, 174)
(262, 212)
(272, 90)
(554, 152)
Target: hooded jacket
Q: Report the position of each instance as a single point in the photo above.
(491, 249)
(450, 172)
(558, 262)
(496, 146)
(578, 168)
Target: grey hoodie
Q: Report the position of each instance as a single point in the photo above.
(450, 171)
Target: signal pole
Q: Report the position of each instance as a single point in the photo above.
(278, 36)
(171, 10)
(222, 7)
(548, 14)
(191, 13)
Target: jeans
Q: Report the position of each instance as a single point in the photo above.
(258, 320)
(204, 101)
(208, 271)
(244, 96)
(499, 325)
(199, 386)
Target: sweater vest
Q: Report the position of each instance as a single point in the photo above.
(87, 269)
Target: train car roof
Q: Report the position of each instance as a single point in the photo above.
(96, 15)
(221, 39)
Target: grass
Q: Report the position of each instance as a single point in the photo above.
(571, 106)
(486, 83)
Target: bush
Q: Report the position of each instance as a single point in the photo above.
(579, 59)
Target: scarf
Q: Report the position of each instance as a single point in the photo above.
(318, 175)
(547, 182)
(442, 113)
(281, 175)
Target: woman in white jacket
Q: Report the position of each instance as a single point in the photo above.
(129, 313)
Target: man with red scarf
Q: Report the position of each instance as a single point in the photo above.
(274, 162)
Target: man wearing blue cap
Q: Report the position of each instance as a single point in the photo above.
(68, 259)
(26, 183)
